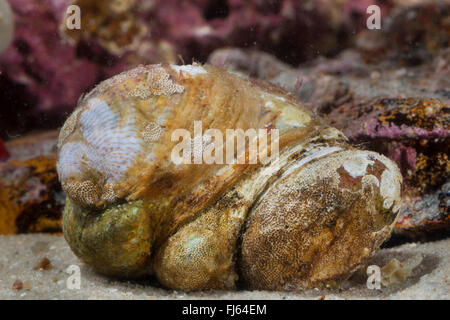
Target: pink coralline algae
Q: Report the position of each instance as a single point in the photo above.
(41, 60)
(47, 67)
(293, 31)
(403, 119)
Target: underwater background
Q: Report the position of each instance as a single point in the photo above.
(386, 87)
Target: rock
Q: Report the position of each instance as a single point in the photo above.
(326, 84)
(31, 199)
(397, 272)
(33, 145)
(411, 34)
(253, 63)
(17, 285)
(44, 264)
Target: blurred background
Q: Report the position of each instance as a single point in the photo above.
(387, 88)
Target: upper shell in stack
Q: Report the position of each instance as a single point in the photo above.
(117, 143)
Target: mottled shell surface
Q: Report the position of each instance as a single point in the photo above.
(116, 145)
(311, 219)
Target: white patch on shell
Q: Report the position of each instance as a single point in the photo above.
(111, 146)
(192, 70)
(390, 183)
(117, 145)
(150, 158)
(357, 166)
(269, 104)
(161, 119)
(387, 188)
(193, 242)
(290, 116)
(69, 162)
(310, 155)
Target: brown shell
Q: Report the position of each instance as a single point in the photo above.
(310, 218)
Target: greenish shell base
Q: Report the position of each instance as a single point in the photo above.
(116, 242)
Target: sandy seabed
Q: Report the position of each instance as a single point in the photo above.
(21, 278)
